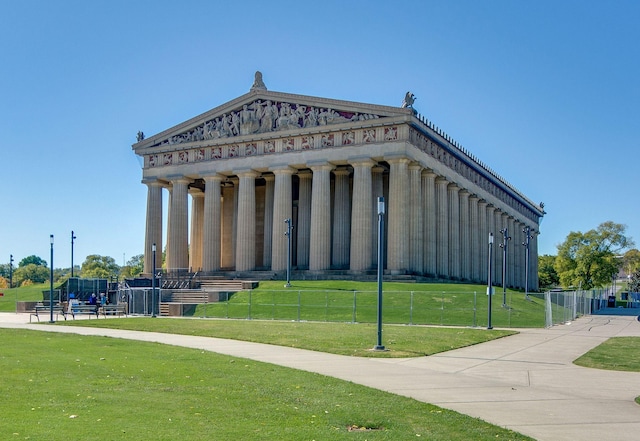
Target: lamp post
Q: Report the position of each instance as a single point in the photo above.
(288, 234)
(10, 270)
(73, 236)
(379, 346)
(153, 282)
(503, 245)
(51, 282)
(490, 282)
(527, 242)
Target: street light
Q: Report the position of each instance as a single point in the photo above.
(527, 242)
(73, 236)
(379, 346)
(490, 282)
(51, 282)
(503, 245)
(153, 282)
(288, 234)
(10, 270)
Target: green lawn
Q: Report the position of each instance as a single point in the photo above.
(63, 386)
(617, 354)
(336, 338)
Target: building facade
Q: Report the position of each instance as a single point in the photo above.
(264, 157)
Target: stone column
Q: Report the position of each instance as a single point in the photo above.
(178, 243)
(282, 209)
(497, 217)
(167, 262)
(465, 237)
(416, 224)
(197, 225)
(361, 220)
(228, 228)
(511, 250)
(268, 220)
(398, 214)
(474, 239)
(377, 190)
(454, 231)
(483, 241)
(246, 223)
(320, 243)
(442, 228)
(341, 218)
(533, 260)
(491, 228)
(304, 218)
(520, 251)
(212, 224)
(429, 196)
(153, 233)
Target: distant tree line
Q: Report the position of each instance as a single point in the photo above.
(34, 269)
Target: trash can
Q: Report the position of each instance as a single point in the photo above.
(612, 302)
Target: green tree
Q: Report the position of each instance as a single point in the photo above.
(589, 259)
(547, 275)
(30, 273)
(99, 267)
(134, 266)
(631, 261)
(32, 259)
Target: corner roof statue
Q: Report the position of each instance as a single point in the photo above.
(409, 99)
(258, 84)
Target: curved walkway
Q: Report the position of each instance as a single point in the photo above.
(525, 382)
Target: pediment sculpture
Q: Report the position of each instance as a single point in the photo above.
(264, 117)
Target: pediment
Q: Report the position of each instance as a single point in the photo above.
(265, 113)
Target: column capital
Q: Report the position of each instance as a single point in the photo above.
(305, 174)
(414, 166)
(213, 177)
(361, 162)
(318, 166)
(249, 173)
(281, 169)
(397, 160)
(179, 179)
(342, 170)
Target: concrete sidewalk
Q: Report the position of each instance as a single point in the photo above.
(525, 382)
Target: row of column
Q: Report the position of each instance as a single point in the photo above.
(434, 227)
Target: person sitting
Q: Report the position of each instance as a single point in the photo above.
(93, 300)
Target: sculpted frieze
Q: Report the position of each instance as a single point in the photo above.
(264, 117)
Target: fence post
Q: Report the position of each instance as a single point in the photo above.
(475, 300)
(442, 309)
(411, 308)
(353, 315)
(299, 304)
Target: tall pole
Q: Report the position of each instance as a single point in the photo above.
(153, 282)
(490, 282)
(51, 282)
(73, 236)
(379, 346)
(503, 245)
(10, 270)
(288, 234)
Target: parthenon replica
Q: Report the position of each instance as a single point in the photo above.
(266, 157)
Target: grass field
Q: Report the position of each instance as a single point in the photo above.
(617, 354)
(61, 386)
(335, 338)
(348, 301)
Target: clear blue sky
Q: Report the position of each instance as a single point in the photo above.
(547, 93)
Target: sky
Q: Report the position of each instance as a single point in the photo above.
(546, 93)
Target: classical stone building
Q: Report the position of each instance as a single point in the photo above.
(266, 156)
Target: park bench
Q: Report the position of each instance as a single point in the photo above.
(115, 310)
(45, 311)
(83, 310)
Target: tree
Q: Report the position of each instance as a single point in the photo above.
(547, 275)
(99, 267)
(32, 259)
(134, 266)
(589, 259)
(30, 273)
(634, 282)
(631, 261)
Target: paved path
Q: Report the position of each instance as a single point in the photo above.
(525, 382)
